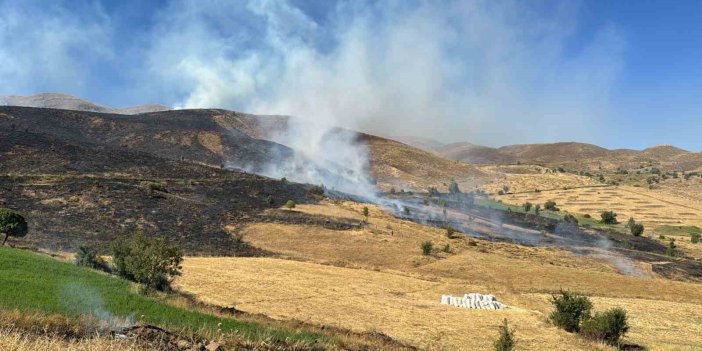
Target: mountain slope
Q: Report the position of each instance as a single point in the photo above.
(68, 102)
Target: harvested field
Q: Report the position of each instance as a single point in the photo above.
(375, 278)
(645, 205)
(408, 308)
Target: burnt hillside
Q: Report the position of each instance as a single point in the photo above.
(84, 178)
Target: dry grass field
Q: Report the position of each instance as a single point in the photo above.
(18, 341)
(526, 178)
(375, 278)
(653, 207)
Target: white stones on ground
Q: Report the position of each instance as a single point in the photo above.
(473, 300)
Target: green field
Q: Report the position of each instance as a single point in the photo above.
(33, 282)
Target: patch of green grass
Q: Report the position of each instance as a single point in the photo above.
(33, 282)
(487, 202)
(678, 230)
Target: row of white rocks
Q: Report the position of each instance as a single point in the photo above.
(473, 300)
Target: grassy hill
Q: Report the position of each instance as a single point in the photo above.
(41, 288)
(36, 283)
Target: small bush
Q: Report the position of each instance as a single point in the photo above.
(672, 248)
(87, 257)
(695, 238)
(317, 190)
(269, 200)
(500, 192)
(571, 310)
(608, 217)
(427, 246)
(570, 219)
(630, 223)
(450, 231)
(537, 209)
(636, 229)
(365, 212)
(506, 341)
(453, 188)
(608, 326)
(290, 204)
(527, 206)
(550, 205)
(587, 215)
(447, 248)
(151, 187)
(472, 242)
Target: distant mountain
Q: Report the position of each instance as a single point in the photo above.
(68, 102)
(570, 153)
(426, 144)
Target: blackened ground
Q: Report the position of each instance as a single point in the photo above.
(64, 213)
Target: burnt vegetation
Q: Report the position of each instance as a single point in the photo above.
(84, 179)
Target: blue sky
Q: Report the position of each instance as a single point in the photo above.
(621, 74)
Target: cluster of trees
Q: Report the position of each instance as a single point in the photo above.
(573, 313)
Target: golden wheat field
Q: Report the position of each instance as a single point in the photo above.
(376, 279)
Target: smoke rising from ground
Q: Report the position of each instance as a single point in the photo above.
(483, 71)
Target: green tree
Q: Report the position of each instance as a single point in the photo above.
(608, 217)
(12, 224)
(527, 206)
(537, 209)
(570, 310)
(148, 261)
(608, 326)
(290, 204)
(506, 341)
(636, 229)
(365, 212)
(630, 222)
(505, 188)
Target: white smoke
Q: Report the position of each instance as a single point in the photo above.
(486, 71)
(47, 46)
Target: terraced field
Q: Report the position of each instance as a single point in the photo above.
(652, 207)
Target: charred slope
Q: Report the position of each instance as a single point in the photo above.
(66, 212)
(203, 136)
(77, 185)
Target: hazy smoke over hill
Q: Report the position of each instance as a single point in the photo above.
(476, 70)
(464, 70)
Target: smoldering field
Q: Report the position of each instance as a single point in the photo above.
(338, 160)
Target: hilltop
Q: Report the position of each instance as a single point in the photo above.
(69, 102)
